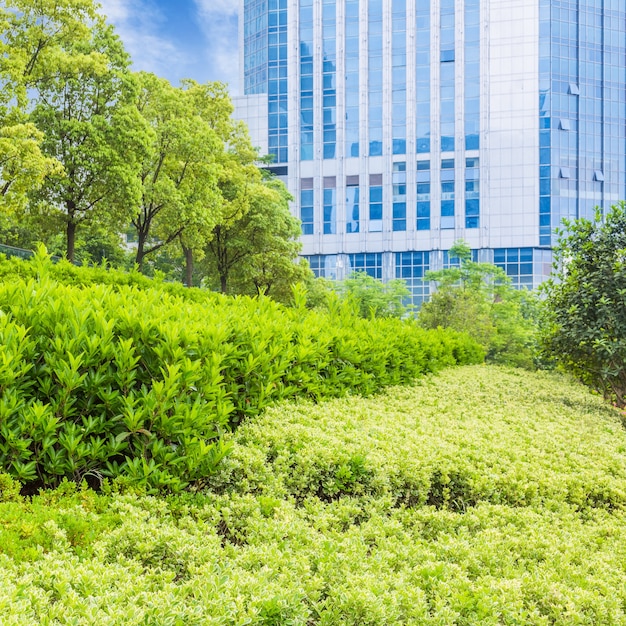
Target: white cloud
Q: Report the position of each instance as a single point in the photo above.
(218, 19)
(137, 23)
(218, 7)
(115, 10)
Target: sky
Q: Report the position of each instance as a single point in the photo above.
(179, 39)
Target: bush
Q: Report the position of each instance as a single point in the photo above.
(529, 531)
(585, 326)
(452, 441)
(139, 385)
(478, 298)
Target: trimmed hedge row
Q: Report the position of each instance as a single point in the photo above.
(113, 381)
(69, 274)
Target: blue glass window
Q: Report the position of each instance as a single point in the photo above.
(411, 267)
(370, 262)
(352, 209)
(330, 211)
(517, 264)
(306, 211)
(376, 203)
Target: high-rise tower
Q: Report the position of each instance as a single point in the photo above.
(401, 126)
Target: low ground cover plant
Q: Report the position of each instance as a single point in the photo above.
(440, 443)
(112, 381)
(530, 544)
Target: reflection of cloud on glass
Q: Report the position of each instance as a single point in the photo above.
(138, 23)
(218, 20)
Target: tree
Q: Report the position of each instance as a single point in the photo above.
(373, 298)
(180, 199)
(236, 169)
(257, 253)
(23, 166)
(585, 326)
(92, 127)
(37, 40)
(477, 298)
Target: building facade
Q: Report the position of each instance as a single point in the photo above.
(401, 126)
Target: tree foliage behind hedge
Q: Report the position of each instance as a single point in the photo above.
(113, 381)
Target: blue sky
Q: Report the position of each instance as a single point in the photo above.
(179, 38)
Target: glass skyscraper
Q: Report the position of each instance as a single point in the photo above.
(401, 126)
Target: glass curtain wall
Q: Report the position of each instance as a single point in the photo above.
(255, 46)
(582, 106)
(422, 79)
(375, 76)
(472, 74)
(329, 78)
(277, 80)
(398, 76)
(306, 80)
(447, 89)
(352, 78)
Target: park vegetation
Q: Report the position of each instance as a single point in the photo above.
(585, 324)
(108, 381)
(272, 448)
(91, 151)
(478, 496)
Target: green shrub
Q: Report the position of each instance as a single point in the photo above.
(584, 329)
(9, 489)
(68, 518)
(452, 441)
(139, 385)
(539, 542)
(479, 299)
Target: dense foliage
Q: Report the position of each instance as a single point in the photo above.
(90, 150)
(478, 298)
(141, 384)
(255, 254)
(585, 329)
(515, 516)
(373, 298)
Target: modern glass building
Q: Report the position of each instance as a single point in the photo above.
(401, 126)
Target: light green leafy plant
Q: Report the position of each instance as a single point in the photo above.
(529, 533)
(110, 381)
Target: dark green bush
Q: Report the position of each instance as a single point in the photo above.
(110, 381)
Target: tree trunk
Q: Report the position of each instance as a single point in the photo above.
(140, 253)
(223, 282)
(188, 266)
(71, 240)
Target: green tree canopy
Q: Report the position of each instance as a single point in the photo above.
(237, 174)
(585, 329)
(257, 253)
(92, 127)
(38, 40)
(373, 298)
(478, 298)
(180, 169)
